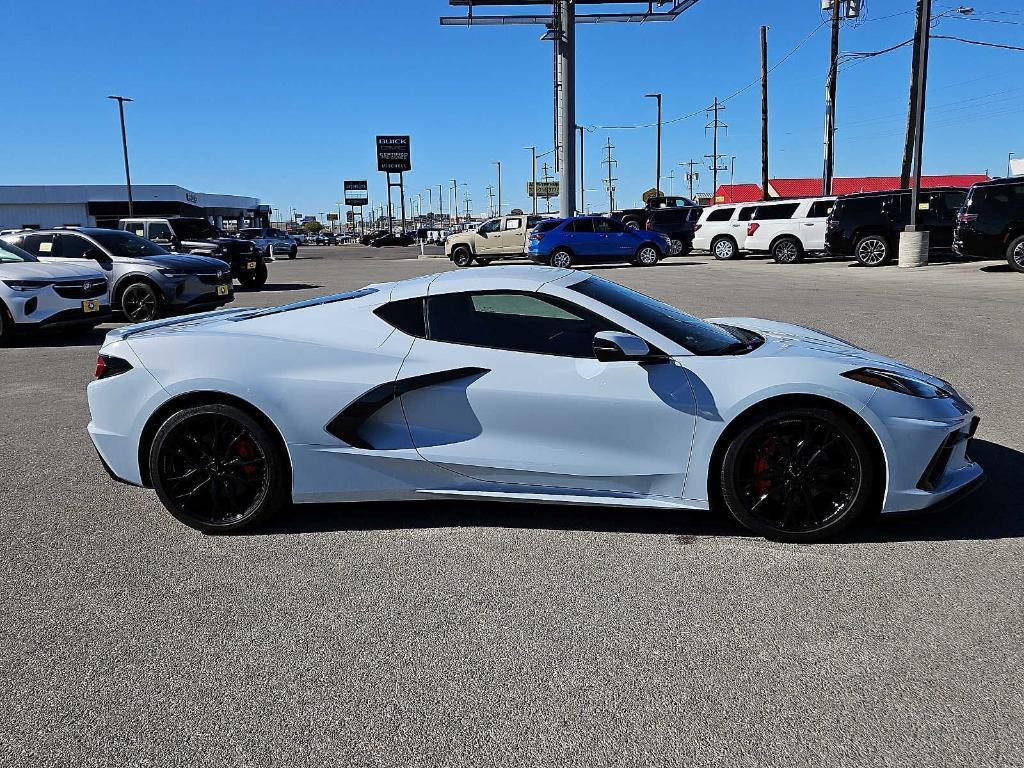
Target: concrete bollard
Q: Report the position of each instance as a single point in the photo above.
(913, 249)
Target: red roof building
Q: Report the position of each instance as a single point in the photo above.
(745, 193)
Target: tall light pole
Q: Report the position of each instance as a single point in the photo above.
(124, 145)
(498, 163)
(430, 201)
(533, 157)
(657, 96)
(582, 190)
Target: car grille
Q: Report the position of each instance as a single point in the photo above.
(81, 289)
(213, 279)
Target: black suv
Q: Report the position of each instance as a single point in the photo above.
(867, 226)
(195, 235)
(678, 224)
(991, 223)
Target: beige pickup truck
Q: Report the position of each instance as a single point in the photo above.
(500, 238)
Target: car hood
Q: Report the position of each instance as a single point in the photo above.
(36, 270)
(189, 263)
(460, 237)
(789, 340)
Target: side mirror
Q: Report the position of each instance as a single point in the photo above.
(96, 255)
(611, 346)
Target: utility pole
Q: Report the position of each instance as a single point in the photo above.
(908, 141)
(830, 103)
(455, 200)
(498, 163)
(468, 201)
(582, 190)
(691, 176)
(124, 145)
(440, 203)
(714, 125)
(914, 240)
(565, 52)
(547, 198)
(490, 198)
(533, 158)
(764, 113)
(611, 180)
(657, 184)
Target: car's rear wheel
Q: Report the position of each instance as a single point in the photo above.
(1015, 254)
(675, 247)
(462, 256)
(562, 258)
(646, 256)
(255, 279)
(787, 250)
(799, 474)
(216, 469)
(140, 302)
(5, 326)
(293, 252)
(872, 250)
(631, 223)
(724, 248)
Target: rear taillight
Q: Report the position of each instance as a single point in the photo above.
(752, 228)
(108, 365)
(538, 236)
(696, 227)
(968, 217)
(832, 225)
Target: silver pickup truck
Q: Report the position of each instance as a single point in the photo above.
(500, 238)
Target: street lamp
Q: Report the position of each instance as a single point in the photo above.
(124, 145)
(657, 96)
(533, 156)
(498, 163)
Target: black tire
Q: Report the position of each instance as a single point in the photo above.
(216, 469)
(724, 248)
(484, 262)
(293, 252)
(462, 256)
(632, 223)
(1015, 254)
(562, 258)
(798, 474)
(255, 279)
(647, 255)
(872, 251)
(787, 250)
(140, 302)
(6, 330)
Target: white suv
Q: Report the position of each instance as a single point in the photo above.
(789, 228)
(722, 229)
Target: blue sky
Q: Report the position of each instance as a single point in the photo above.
(281, 100)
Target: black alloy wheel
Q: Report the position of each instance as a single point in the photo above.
(787, 250)
(255, 279)
(217, 470)
(803, 474)
(1015, 254)
(462, 256)
(140, 303)
(293, 252)
(675, 247)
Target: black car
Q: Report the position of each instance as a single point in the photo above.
(197, 236)
(867, 226)
(369, 237)
(991, 222)
(637, 217)
(392, 238)
(678, 224)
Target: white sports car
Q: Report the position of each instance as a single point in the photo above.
(521, 383)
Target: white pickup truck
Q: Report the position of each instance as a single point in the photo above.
(500, 238)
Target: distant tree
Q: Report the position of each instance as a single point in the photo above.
(312, 227)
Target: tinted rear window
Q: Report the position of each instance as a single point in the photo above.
(547, 226)
(405, 315)
(746, 214)
(775, 212)
(721, 214)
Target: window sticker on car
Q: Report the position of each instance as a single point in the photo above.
(140, 232)
(45, 247)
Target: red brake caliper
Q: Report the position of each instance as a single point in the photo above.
(762, 486)
(244, 450)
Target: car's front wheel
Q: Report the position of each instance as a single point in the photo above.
(562, 258)
(141, 302)
(798, 474)
(216, 469)
(724, 248)
(462, 256)
(646, 256)
(1015, 254)
(255, 279)
(872, 251)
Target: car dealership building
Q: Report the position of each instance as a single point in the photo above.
(91, 205)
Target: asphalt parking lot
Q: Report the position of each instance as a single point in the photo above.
(445, 633)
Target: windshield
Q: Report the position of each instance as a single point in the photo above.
(695, 335)
(127, 244)
(194, 229)
(11, 253)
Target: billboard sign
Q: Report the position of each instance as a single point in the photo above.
(393, 154)
(545, 189)
(356, 193)
(332, 217)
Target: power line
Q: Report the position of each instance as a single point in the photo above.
(978, 42)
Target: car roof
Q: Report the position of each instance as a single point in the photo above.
(513, 277)
(884, 192)
(1007, 181)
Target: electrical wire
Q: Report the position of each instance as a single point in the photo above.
(979, 42)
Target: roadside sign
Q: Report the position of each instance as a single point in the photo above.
(332, 217)
(393, 154)
(545, 189)
(356, 193)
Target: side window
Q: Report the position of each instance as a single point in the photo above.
(607, 226)
(159, 231)
(776, 212)
(519, 322)
(720, 214)
(40, 245)
(580, 225)
(952, 201)
(74, 247)
(491, 226)
(405, 315)
(138, 227)
(820, 209)
(513, 223)
(746, 214)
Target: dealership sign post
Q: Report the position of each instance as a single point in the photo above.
(394, 156)
(356, 196)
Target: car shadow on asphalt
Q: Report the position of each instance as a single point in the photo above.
(660, 265)
(994, 511)
(62, 338)
(996, 268)
(278, 287)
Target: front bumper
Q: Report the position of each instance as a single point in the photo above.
(45, 308)
(199, 290)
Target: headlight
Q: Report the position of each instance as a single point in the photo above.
(897, 382)
(27, 285)
(174, 274)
